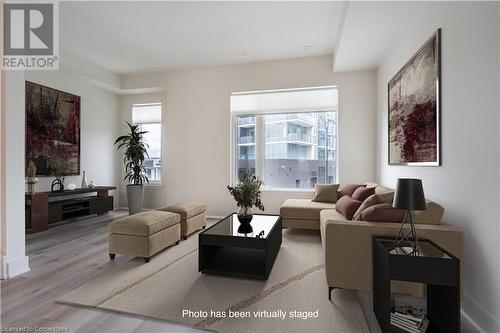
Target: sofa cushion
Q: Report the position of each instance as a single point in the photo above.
(304, 209)
(379, 189)
(144, 223)
(374, 199)
(361, 193)
(432, 215)
(384, 197)
(347, 206)
(186, 210)
(382, 213)
(383, 190)
(370, 184)
(332, 215)
(326, 193)
(348, 189)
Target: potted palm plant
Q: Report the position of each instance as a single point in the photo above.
(134, 154)
(247, 194)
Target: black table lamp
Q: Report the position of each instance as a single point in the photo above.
(410, 196)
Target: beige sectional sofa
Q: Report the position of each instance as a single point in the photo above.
(348, 244)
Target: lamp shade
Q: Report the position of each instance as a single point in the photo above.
(409, 195)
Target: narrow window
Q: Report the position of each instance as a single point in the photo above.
(148, 117)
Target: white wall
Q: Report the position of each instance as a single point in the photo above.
(99, 127)
(467, 183)
(197, 117)
(154, 196)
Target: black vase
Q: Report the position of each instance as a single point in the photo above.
(245, 216)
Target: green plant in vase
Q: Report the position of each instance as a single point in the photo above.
(135, 153)
(247, 194)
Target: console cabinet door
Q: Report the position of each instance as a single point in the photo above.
(101, 205)
(55, 213)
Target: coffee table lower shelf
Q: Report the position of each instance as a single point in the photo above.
(234, 261)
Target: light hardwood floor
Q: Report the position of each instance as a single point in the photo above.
(65, 257)
(61, 259)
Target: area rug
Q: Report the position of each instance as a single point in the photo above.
(169, 287)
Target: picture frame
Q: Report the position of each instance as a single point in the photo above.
(52, 130)
(414, 108)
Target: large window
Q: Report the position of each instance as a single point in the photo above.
(288, 138)
(148, 117)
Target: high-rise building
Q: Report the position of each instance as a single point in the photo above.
(300, 148)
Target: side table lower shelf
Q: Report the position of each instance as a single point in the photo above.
(434, 266)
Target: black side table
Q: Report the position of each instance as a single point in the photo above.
(434, 266)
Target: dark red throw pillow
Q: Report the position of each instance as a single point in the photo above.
(361, 193)
(347, 206)
(348, 189)
(382, 213)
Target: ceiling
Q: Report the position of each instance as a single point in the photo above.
(369, 29)
(131, 37)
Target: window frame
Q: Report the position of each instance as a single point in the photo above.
(153, 183)
(260, 140)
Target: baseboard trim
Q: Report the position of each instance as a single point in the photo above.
(478, 317)
(3, 274)
(14, 268)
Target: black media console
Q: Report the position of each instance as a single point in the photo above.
(45, 208)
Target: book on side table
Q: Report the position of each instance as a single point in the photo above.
(406, 318)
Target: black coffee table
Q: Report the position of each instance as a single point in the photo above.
(224, 251)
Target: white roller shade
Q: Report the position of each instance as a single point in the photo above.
(300, 100)
(146, 113)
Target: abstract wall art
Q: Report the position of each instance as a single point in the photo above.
(52, 130)
(414, 108)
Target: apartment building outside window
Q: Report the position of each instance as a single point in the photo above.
(286, 137)
(148, 117)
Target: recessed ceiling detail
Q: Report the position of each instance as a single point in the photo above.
(130, 37)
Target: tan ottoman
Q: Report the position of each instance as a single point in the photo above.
(144, 234)
(193, 216)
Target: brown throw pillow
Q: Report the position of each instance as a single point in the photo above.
(347, 206)
(361, 193)
(382, 213)
(348, 189)
(325, 193)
